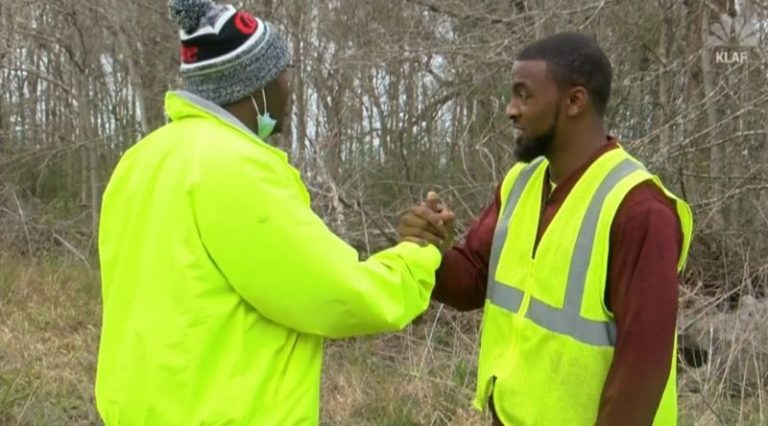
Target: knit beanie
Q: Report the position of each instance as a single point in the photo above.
(226, 54)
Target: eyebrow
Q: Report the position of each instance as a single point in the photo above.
(520, 85)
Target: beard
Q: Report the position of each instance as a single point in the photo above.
(529, 148)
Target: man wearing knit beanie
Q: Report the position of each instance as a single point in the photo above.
(219, 283)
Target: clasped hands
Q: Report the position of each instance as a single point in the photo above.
(430, 222)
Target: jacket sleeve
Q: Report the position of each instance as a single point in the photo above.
(255, 221)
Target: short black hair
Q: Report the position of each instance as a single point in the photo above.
(574, 59)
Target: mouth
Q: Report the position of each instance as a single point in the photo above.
(518, 133)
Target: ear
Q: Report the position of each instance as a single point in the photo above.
(577, 101)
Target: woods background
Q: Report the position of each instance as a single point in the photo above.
(391, 98)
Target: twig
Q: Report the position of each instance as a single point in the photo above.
(23, 221)
(358, 205)
(712, 410)
(71, 248)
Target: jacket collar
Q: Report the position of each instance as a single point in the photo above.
(181, 104)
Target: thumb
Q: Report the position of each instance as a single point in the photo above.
(447, 215)
(433, 201)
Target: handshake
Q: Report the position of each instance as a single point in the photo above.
(428, 222)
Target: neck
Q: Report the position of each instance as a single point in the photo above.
(566, 156)
(243, 110)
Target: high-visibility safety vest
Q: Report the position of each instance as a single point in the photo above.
(547, 337)
(219, 283)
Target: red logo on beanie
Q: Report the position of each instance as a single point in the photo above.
(188, 54)
(246, 23)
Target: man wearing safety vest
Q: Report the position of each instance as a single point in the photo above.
(219, 282)
(575, 261)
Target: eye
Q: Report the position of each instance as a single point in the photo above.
(522, 93)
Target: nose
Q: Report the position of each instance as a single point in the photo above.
(513, 111)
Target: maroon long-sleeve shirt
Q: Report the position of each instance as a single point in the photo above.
(646, 240)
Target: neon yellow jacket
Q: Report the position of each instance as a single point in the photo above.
(219, 282)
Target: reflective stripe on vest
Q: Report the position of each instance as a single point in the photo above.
(567, 320)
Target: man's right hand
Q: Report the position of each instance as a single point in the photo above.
(428, 222)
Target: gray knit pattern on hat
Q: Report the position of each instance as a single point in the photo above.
(242, 75)
(226, 81)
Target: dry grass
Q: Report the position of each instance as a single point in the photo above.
(49, 318)
(732, 386)
(423, 376)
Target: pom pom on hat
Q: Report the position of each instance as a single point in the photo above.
(188, 13)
